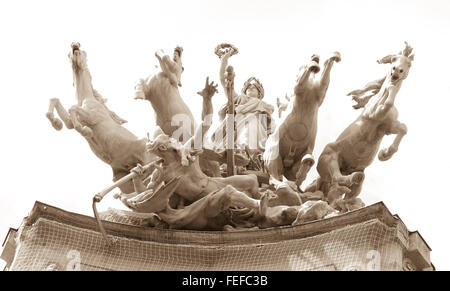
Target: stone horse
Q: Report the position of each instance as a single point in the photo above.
(161, 90)
(342, 163)
(289, 149)
(102, 128)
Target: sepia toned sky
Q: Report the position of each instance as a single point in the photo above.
(274, 39)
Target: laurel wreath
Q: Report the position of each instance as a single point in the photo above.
(223, 48)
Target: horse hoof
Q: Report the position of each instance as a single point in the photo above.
(315, 58)
(308, 159)
(314, 67)
(339, 190)
(357, 177)
(340, 205)
(385, 154)
(56, 123)
(336, 56)
(87, 132)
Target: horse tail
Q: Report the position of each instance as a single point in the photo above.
(140, 88)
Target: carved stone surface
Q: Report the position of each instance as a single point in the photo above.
(177, 182)
(49, 234)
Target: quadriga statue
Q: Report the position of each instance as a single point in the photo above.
(289, 149)
(102, 128)
(342, 163)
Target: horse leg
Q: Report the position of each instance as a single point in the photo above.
(63, 114)
(350, 185)
(350, 202)
(313, 67)
(306, 164)
(400, 130)
(355, 190)
(325, 77)
(331, 160)
(76, 111)
(330, 170)
(273, 162)
(275, 168)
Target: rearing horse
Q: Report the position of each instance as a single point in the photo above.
(342, 163)
(161, 90)
(289, 149)
(102, 129)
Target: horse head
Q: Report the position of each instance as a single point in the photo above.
(400, 64)
(77, 58)
(170, 149)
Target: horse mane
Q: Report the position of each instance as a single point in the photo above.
(185, 152)
(102, 101)
(375, 86)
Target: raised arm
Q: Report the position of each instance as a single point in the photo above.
(223, 67)
(207, 93)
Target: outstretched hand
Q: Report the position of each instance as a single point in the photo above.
(209, 90)
(138, 170)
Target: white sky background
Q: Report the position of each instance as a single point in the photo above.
(274, 39)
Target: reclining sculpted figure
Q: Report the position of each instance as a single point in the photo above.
(102, 128)
(342, 163)
(217, 211)
(180, 160)
(211, 212)
(223, 209)
(289, 149)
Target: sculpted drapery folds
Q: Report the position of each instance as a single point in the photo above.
(253, 116)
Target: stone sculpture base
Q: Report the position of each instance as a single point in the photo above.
(370, 238)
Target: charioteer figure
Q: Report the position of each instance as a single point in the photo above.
(253, 116)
